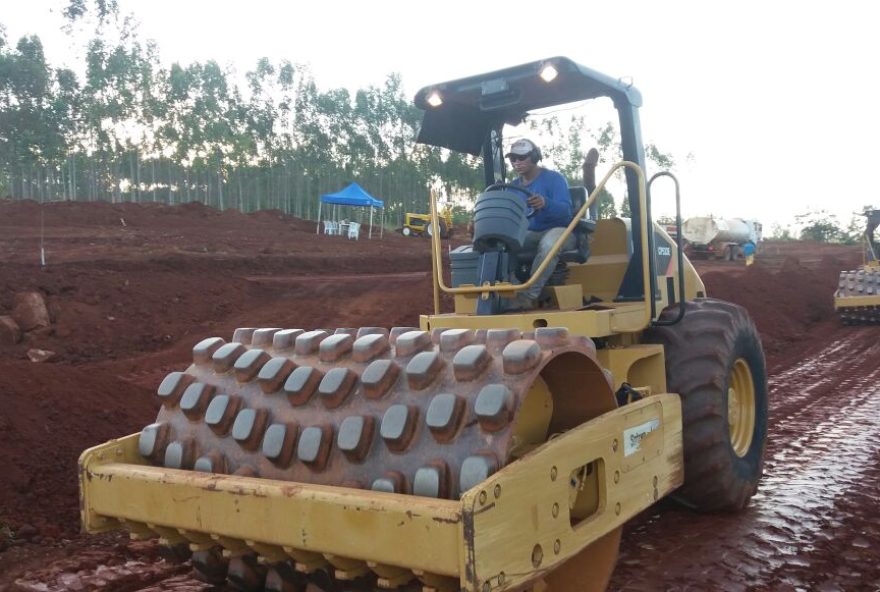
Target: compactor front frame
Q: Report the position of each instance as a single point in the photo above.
(509, 530)
(857, 300)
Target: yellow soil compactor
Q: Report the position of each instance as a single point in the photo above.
(857, 299)
(422, 225)
(483, 450)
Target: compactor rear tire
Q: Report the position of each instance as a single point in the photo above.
(715, 362)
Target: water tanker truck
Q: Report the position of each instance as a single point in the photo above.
(712, 238)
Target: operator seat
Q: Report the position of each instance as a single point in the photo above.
(581, 250)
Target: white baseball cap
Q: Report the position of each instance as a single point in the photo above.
(521, 148)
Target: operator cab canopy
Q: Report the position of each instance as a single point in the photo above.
(468, 115)
(460, 114)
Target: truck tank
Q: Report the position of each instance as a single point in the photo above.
(705, 230)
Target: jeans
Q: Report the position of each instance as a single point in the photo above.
(544, 240)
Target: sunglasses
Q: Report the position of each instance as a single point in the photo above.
(517, 157)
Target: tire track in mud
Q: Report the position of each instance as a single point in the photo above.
(822, 457)
(807, 528)
(817, 375)
(104, 572)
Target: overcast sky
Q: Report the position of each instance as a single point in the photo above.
(774, 99)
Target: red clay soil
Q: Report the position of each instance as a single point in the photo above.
(131, 288)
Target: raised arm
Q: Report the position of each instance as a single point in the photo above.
(589, 168)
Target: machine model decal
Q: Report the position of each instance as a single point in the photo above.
(632, 437)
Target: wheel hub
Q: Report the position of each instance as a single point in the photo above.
(741, 407)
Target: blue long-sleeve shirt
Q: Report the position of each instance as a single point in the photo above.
(557, 208)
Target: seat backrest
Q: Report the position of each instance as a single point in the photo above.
(578, 195)
(581, 251)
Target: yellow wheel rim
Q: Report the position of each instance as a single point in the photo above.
(741, 407)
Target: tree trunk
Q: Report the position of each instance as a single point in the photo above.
(240, 192)
(220, 187)
(73, 178)
(170, 183)
(117, 173)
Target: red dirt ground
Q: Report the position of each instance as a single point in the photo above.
(131, 288)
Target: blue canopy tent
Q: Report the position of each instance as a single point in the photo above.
(353, 195)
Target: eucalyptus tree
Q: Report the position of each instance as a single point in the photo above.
(196, 127)
(66, 109)
(261, 123)
(284, 148)
(32, 139)
(310, 138)
(102, 9)
(213, 110)
(119, 107)
(170, 124)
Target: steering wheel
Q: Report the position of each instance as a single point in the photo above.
(530, 211)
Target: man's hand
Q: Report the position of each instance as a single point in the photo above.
(536, 201)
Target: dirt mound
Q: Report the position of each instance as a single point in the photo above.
(50, 412)
(191, 216)
(790, 294)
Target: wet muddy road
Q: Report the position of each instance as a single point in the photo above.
(813, 524)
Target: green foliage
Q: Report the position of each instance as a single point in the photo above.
(36, 109)
(132, 129)
(625, 210)
(663, 161)
(855, 230)
(780, 233)
(820, 226)
(77, 9)
(606, 205)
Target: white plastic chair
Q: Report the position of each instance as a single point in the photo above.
(354, 230)
(328, 227)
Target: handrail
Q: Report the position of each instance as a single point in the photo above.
(434, 270)
(679, 254)
(485, 289)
